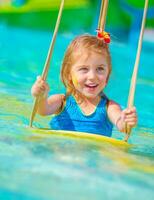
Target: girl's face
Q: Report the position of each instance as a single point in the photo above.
(89, 74)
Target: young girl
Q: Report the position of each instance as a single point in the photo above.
(85, 73)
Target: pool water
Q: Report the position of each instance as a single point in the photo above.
(37, 166)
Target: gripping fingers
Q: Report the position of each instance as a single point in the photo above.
(40, 87)
(130, 117)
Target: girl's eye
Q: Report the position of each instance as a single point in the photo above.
(83, 69)
(100, 69)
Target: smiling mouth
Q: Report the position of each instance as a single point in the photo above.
(91, 86)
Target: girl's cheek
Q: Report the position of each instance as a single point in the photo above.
(75, 81)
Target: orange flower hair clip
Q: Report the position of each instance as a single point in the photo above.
(104, 36)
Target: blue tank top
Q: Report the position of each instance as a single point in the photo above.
(71, 118)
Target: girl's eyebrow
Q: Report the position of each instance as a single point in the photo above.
(82, 66)
(101, 65)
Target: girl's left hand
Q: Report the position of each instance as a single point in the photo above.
(129, 116)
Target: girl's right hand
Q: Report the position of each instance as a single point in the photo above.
(39, 88)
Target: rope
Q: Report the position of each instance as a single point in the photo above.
(103, 14)
(48, 59)
(101, 34)
(135, 71)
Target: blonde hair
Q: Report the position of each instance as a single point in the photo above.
(81, 44)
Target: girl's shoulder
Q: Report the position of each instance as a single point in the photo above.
(112, 105)
(109, 101)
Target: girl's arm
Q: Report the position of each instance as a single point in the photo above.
(46, 105)
(51, 105)
(121, 117)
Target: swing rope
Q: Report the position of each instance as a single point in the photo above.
(101, 34)
(48, 59)
(130, 102)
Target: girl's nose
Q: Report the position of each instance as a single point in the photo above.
(92, 74)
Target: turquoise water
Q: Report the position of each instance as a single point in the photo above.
(35, 166)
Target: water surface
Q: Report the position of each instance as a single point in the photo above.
(37, 166)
